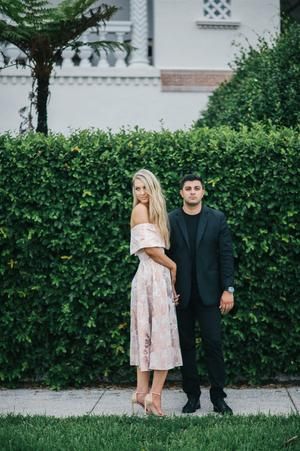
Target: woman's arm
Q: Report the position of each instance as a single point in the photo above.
(140, 215)
(157, 254)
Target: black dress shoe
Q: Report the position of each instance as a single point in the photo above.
(192, 405)
(221, 407)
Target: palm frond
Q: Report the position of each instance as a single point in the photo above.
(11, 9)
(10, 33)
(36, 22)
(72, 8)
(106, 45)
(26, 12)
(62, 31)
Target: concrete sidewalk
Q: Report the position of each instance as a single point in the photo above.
(117, 401)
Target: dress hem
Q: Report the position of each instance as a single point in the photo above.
(178, 365)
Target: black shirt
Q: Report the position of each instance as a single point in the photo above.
(191, 222)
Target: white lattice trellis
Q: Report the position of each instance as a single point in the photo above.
(217, 9)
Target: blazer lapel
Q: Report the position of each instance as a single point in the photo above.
(182, 225)
(201, 225)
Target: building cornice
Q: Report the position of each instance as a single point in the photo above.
(218, 24)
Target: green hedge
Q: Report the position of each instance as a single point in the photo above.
(65, 269)
(265, 86)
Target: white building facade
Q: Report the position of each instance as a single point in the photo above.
(183, 49)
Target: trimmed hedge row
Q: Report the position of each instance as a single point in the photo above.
(65, 269)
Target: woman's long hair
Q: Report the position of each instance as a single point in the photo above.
(157, 205)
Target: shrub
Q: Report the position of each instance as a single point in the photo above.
(265, 86)
(65, 269)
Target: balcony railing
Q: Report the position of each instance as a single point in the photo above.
(85, 56)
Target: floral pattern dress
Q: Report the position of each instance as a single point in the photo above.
(154, 340)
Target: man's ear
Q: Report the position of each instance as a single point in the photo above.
(181, 193)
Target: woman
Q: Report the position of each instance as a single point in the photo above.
(154, 341)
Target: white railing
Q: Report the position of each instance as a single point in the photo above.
(85, 56)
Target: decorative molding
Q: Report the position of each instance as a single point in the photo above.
(192, 80)
(15, 79)
(218, 24)
(88, 77)
(174, 80)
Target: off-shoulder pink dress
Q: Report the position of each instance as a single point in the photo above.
(154, 340)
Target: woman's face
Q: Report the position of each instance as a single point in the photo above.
(140, 192)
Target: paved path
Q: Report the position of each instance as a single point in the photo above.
(116, 401)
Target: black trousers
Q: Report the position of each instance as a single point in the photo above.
(209, 318)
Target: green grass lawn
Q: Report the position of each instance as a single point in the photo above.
(209, 433)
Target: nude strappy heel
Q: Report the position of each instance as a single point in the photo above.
(134, 400)
(150, 407)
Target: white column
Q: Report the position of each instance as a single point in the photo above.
(120, 54)
(139, 34)
(12, 51)
(102, 51)
(85, 52)
(1, 57)
(67, 55)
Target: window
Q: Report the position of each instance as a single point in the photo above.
(217, 14)
(217, 9)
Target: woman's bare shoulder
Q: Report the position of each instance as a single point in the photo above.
(139, 215)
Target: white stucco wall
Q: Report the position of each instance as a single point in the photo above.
(180, 43)
(134, 98)
(109, 98)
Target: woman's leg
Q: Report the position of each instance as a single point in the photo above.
(142, 387)
(159, 377)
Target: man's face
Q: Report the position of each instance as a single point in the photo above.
(192, 193)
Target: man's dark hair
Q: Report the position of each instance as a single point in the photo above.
(191, 178)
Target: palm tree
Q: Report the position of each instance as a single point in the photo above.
(42, 31)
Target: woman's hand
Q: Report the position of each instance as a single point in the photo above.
(175, 295)
(173, 271)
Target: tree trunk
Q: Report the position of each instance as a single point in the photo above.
(41, 103)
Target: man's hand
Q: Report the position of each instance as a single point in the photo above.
(226, 302)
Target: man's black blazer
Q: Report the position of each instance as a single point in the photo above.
(214, 256)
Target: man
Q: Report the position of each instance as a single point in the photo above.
(201, 247)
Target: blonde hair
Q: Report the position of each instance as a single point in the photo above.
(157, 205)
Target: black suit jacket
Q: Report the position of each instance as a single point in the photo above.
(214, 256)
